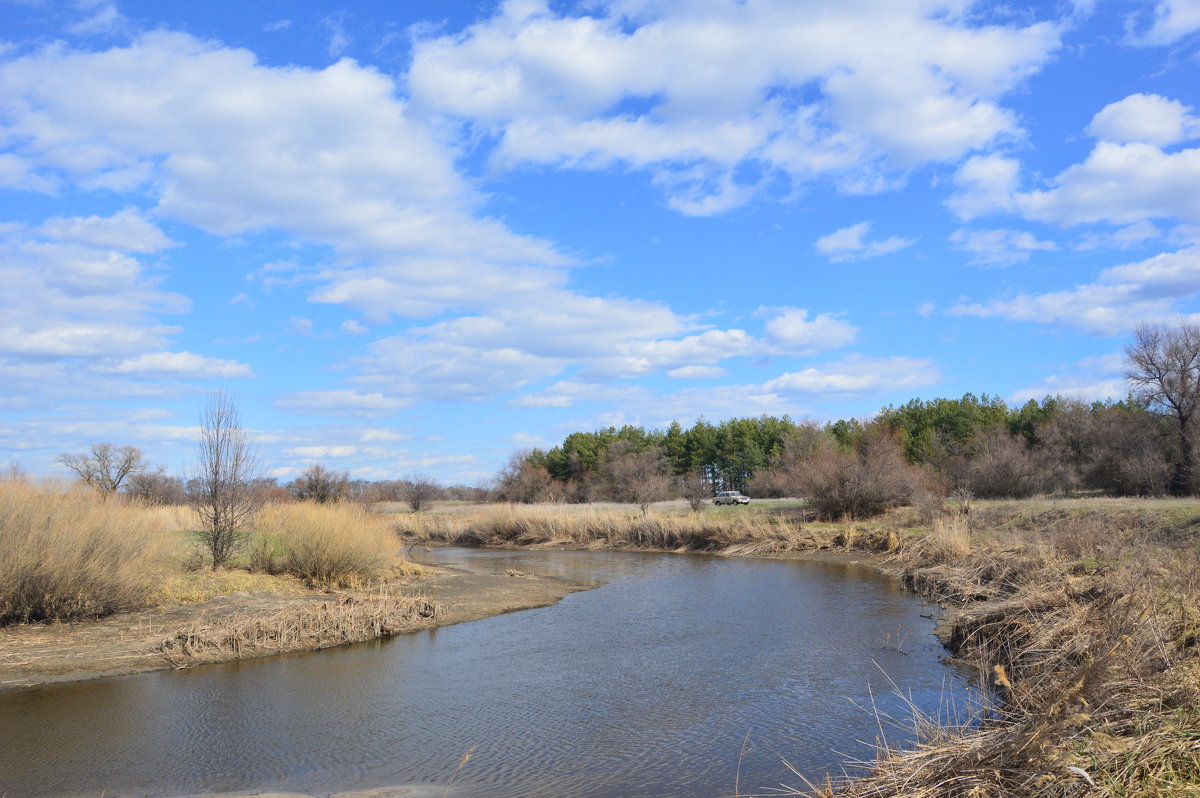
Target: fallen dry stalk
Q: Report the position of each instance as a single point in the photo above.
(339, 620)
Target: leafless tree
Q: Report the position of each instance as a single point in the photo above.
(156, 487)
(1164, 368)
(106, 467)
(223, 488)
(319, 484)
(523, 481)
(696, 488)
(419, 490)
(636, 477)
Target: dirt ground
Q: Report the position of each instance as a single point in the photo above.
(127, 643)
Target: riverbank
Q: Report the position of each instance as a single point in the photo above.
(1084, 613)
(252, 624)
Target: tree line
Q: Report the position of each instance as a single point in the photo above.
(1142, 445)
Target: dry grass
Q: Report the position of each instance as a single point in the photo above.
(345, 619)
(69, 553)
(342, 545)
(533, 525)
(1088, 627)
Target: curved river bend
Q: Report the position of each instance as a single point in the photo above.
(681, 675)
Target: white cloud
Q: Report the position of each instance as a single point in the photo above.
(103, 17)
(331, 155)
(800, 89)
(352, 327)
(300, 325)
(848, 244)
(986, 184)
(1101, 377)
(1121, 297)
(1149, 118)
(999, 247)
(1173, 20)
(857, 376)
(789, 331)
(177, 364)
(697, 373)
(126, 230)
(1120, 184)
(65, 291)
(345, 403)
(322, 452)
(1122, 238)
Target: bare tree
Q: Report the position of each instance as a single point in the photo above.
(696, 488)
(156, 487)
(636, 477)
(223, 488)
(419, 490)
(1164, 367)
(106, 467)
(319, 484)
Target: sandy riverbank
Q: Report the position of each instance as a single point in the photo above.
(133, 642)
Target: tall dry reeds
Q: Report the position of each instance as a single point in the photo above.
(343, 545)
(741, 532)
(70, 553)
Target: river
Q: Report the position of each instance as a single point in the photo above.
(680, 675)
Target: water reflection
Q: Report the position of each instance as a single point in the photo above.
(645, 686)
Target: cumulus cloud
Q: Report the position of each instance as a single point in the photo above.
(1147, 291)
(999, 247)
(800, 90)
(68, 289)
(1150, 118)
(332, 156)
(789, 331)
(1120, 184)
(985, 184)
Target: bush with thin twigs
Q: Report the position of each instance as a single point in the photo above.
(344, 544)
(70, 553)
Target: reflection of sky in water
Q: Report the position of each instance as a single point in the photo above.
(646, 685)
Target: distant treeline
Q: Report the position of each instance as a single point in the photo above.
(975, 445)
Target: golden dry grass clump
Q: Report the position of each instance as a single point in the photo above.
(70, 553)
(341, 545)
(346, 619)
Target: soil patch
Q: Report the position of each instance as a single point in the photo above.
(132, 642)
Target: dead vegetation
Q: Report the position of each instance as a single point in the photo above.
(1085, 615)
(339, 620)
(68, 553)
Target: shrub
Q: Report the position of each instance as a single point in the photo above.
(343, 545)
(869, 479)
(70, 554)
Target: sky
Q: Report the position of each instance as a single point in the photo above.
(415, 237)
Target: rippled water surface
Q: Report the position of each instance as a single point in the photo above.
(680, 675)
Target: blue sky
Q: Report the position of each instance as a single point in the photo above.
(415, 237)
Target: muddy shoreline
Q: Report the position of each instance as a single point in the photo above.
(128, 643)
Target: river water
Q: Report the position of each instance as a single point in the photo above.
(680, 675)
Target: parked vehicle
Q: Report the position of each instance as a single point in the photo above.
(731, 497)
